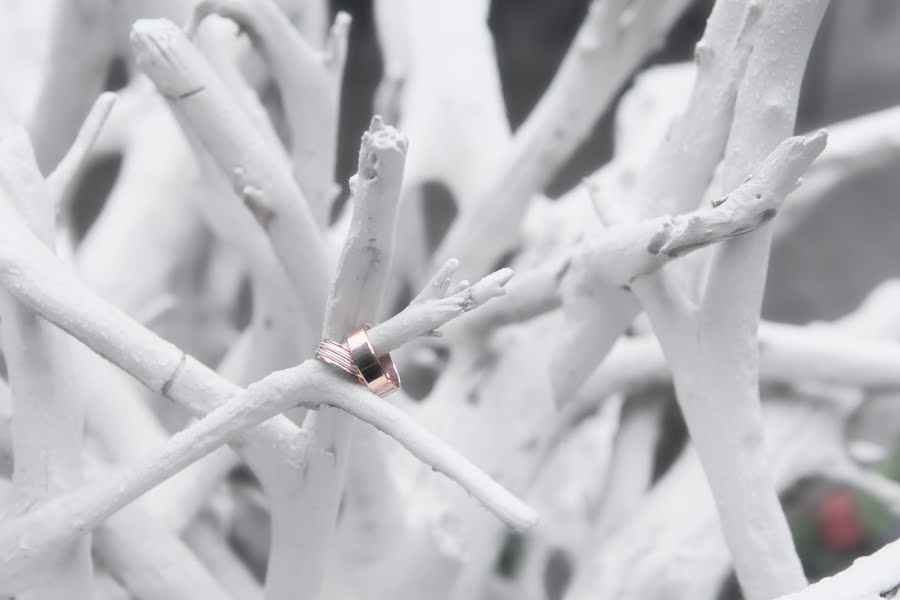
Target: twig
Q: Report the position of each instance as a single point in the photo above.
(433, 307)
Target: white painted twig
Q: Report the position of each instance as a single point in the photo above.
(766, 565)
(436, 305)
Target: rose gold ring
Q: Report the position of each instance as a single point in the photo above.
(335, 353)
(377, 372)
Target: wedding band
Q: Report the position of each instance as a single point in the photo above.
(377, 372)
(335, 353)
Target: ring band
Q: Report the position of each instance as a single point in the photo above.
(335, 353)
(377, 372)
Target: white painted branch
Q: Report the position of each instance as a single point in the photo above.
(765, 560)
(730, 434)
(368, 250)
(259, 173)
(310, 85)
(48, 405)
(615, 38)
(620, 254)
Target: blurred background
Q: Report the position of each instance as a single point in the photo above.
(822, 271)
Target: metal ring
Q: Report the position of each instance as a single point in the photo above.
(377, 372)
(335, 353)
